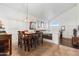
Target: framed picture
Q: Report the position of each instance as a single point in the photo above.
(40, 24)
(32, 25)
(63, 28)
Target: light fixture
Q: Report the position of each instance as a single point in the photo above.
(29, 18)
(27, 12)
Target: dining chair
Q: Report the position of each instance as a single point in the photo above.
(20, 39)
(27, 42)
(39, 37)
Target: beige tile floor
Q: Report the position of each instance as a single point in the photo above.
(48, 49)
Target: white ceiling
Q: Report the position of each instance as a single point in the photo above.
(40, 10)
(47, 9)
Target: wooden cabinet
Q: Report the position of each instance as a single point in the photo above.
(75, 42)
(5, 44)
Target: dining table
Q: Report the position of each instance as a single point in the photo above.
(31, 39)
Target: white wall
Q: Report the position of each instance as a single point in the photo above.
(77, 14)
(13, 20)
(69, 19)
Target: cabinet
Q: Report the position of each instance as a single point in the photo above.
(75, 42)
(5, 44)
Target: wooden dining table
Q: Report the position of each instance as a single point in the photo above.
(28, 37)
(28, 33)
(31, 39)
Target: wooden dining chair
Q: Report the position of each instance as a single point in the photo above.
(34, 39)
(39, 37)
(20, 39)
(28, 42)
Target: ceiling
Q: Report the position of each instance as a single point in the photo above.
(39, 10)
